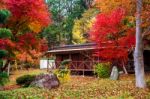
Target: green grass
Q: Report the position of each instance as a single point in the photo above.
(84, 88)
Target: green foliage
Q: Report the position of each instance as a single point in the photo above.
(148, 84)
(1, 63)
(3, 78)
(25, 80)
(102, 70)
(4, 14)
(129, 21)
(65, 62)
(5, 33)
(64, 12)
(3, 53)
(51, 33)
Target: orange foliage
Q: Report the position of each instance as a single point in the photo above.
(30, 48)
(2, 4)
(28, 14)
(109, 5)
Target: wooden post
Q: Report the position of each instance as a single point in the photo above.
(70, 56)
(83, 72)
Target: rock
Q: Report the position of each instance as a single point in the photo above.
(48, 81)
(114, 73)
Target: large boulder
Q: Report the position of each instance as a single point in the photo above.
(48, 81)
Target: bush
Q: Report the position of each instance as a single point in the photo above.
(102, 70)
(148, 84)
(63, 75)
(65, 62)
(3, 53)
(5, 33)
(4, 14)
(25, 80)
(3, 78)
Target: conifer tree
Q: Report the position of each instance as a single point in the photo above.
(5, 35)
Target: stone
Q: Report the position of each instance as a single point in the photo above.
(48, 81)
(114, 73)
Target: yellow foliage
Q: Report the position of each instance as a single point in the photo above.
(35, 26)
(82, 26)
(63, 77)
(78, 33)
(109, 5)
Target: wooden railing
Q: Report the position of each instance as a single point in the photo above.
(85, 65)
(76, 65)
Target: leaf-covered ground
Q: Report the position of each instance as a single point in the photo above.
(84, 88)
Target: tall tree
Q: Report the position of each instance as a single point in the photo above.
(5, 36)
(64, 12)
(82, 26)
(88, 3)
(28, 18)
(112, 36)
(142, 28)
(28, 15)
(138, 53)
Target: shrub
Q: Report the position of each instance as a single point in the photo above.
(3, 78)
(3, 53)
(4, 15)
(5, 33)
(63, 75)
(25, 80)
(65, 62)
(102, 70)
(148, 84)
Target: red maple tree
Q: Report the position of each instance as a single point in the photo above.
(30, 48)
(28, 18)
(112, 38)
(28, 15)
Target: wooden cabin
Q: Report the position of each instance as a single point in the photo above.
(82, 59)
(80, 55)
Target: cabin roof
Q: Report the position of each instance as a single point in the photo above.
(73, 48)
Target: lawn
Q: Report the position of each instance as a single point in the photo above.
(80, 87)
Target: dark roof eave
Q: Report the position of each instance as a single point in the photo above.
(70, 50)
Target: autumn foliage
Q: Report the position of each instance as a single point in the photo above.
(112, 37)
(28, 14)
(27, 19)
(30, 48)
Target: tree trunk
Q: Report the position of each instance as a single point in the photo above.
(8, 69)
(138, 53)
(6, 65)
(124, 68)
